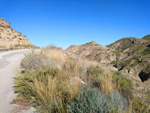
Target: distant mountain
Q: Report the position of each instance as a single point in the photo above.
(11, 39)
(129, 55)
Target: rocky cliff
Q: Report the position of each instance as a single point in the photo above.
(9, 38)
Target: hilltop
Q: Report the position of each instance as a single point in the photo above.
(92, 51)
(11, 39)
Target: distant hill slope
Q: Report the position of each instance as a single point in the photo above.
(11, 39)
(147, 37)
(130, 43)
(92, 51)
(136, 55)
(129, 55)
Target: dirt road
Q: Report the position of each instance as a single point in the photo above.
(9, 63)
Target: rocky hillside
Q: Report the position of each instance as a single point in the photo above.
(129, 55)
(11, 39)
(147, 37)
(134, 56)
(93, 51)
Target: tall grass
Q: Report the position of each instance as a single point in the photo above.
(100, 78)
(51, 87)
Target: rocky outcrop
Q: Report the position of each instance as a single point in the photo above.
(145, 73)
(4, 23)
(137, 41)
(9, 38)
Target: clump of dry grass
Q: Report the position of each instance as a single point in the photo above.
(41, 59)
(106, 83)
(55, 95)
(100, 78)
(51, 87)
(56, 55)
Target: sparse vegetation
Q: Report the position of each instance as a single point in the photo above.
(91, 100)
(146, 51)
(3, 47)
(15, 36)
(147, 37)
(88, 56)
(122, 84)
(57, 83)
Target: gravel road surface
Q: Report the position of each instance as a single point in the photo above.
(9, 63)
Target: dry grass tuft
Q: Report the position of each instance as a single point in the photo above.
(106, 83)
(53, 88)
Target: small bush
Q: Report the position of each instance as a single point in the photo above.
(146, 51)
(100, 79)
(33, 62)
(140, 107)
(23, 82)
(91, 100)
(94, 71)
(122, 84)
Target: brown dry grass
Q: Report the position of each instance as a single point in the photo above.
(107, 85)
(60, 89)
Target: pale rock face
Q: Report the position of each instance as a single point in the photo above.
(9, 38)
(4, 23)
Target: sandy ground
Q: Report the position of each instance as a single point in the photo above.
(9, 63)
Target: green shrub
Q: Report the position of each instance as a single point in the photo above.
(91, 100)
(93, 74)
(48, 88)
(88, 56)
(123, 84)
(146, 51)
(23, 82)
(140, 107)
(147, 37)
(94, 71)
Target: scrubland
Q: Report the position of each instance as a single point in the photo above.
(55, 82)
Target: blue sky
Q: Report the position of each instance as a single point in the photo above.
(67, 22)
